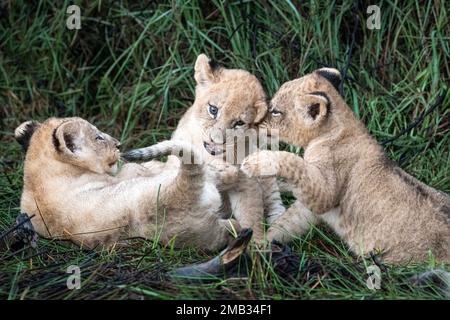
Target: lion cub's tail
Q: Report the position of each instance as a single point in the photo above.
(190, 179)
(169, 147)
(189, 156)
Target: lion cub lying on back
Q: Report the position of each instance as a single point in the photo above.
(68, 188)
(378, 206)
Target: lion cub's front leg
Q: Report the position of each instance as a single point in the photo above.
(261, 163)
(222, 174)
(133, 170)
(316, 186)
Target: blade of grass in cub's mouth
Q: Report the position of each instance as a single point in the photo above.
(221, 265)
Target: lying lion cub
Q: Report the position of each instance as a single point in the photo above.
(375, 205)
(69, 189)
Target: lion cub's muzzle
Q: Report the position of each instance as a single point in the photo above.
(115, 153)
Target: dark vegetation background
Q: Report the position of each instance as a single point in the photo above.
(129, 70)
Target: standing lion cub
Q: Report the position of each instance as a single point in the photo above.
(229, 103)
(373, 204)
(69, 189)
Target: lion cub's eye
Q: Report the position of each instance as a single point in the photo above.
(276, 112)
(238, 124)
(212, 110)
(99, 137)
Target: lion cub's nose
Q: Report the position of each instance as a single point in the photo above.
(116, 143)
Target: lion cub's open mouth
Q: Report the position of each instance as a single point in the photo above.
(212, 149)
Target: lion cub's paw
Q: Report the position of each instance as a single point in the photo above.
(262, 163)
(226, 173)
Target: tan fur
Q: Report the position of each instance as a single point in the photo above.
(372, 204)
(238, 95)
(69, 189)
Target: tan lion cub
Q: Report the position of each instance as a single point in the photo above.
(379, 207)
(228, 105)
(69, 190)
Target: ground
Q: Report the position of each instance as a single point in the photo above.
(129, 70)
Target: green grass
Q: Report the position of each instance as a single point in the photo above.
(129, 70)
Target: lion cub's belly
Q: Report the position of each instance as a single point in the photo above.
(210, 197)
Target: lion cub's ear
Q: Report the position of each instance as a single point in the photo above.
(67, 138)
(332, 75)
(313, 108)
(24, 132)
(205, 70)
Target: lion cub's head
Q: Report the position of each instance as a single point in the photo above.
(226, 99)
(69, 140)
(305, 108)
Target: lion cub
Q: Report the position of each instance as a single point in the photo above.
(69, 190)
(374, 205)
(228, 105)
